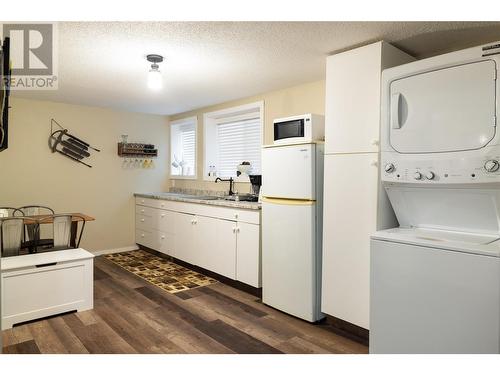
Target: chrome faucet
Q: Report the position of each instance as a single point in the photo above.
(230, 180)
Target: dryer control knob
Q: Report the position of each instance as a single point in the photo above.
(417, 176)
(389, 168)
(491, 165)
(430, 175)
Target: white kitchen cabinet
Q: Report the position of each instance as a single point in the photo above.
(165, 221)
(216, 239)
(355, 204)
(248, 255)
(219, 239)
(352, 98)
(351, 186)
(155, 229)
(144, 237)
(165, 242)
(184, 237)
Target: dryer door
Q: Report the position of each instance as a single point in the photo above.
(451, 109)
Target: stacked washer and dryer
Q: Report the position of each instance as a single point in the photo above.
(435, 280)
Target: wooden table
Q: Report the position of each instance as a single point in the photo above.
(47, 220)
(33, 219)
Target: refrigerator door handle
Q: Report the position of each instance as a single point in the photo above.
(290, 202)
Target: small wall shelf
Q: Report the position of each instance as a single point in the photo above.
(138, 150)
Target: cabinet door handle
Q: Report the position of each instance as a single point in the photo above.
(142, 220)
(162, 215)
(237, 230)
(162, 237)
(142, 235)
(46, 265)
(234, 229)
(142, 211)
(235, 216)
(142, 201)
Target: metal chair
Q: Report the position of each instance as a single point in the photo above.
(10, 212)
(32, 231)
(11, 235)
(61, 229)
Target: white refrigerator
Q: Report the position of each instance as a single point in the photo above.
(292, 190)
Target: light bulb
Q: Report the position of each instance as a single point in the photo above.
(155, 80)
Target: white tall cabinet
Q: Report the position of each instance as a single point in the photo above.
(355, 204)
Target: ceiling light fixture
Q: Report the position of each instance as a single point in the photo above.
(155, 81)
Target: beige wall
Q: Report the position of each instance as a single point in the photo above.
(305, 98)
(30, 173)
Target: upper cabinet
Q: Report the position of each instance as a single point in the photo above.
(352, 113)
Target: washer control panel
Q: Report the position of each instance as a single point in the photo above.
(404, 168)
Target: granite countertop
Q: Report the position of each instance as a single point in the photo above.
(187, 198)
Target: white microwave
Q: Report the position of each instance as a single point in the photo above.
(298, 129)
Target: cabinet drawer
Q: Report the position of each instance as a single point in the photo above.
(143, 210)
(154, 203)
(148, 202)
(144, 237)
(164, 242)
(145, 222)
(148, 218)
(165, 221)
(247, 216)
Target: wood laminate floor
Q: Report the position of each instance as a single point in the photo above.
(132, 316)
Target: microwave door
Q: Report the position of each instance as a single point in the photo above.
(288, 129)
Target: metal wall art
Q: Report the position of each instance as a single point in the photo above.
(64, 143)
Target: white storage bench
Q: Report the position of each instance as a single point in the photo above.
(39, 285)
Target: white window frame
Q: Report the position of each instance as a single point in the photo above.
(187, 120)
(210, 120)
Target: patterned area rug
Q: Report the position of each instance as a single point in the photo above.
(160, 272)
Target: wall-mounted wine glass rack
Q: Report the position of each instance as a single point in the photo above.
(137, 150)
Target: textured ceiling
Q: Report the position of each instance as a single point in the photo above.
(103, 63)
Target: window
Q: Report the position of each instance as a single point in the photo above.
(233, 136)
(183, 148)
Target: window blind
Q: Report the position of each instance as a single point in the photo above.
(188, 144)
(238, 141)
(183, 148)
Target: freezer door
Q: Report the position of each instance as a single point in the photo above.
(290, 258)
(289, 172)
(450, 109)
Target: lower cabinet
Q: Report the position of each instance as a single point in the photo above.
(248, 253)
(184, 248)
(155, 229)
(216, 245)
(230, 248)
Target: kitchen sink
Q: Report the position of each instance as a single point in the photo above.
(241, 198)
(208, 198)
(201, 197)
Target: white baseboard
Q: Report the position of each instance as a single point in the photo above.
(115, 250)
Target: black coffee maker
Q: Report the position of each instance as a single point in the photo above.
(256, 181)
